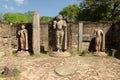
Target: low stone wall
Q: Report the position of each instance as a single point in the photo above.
(111, 31)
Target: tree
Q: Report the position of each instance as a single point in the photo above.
(70, 11)
(16, 17)
(96, 10)
(1, 16)
(29, 14)
(45, 19)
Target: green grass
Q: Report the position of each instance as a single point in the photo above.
(107, 51)
(14, 52)
(75, 52)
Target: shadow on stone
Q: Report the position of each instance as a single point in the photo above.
(92, 45)
(42, 50)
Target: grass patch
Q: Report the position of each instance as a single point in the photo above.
(75, 52)
(90, 54)
(14, 52)
(107, 51)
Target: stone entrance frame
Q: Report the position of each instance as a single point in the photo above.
(82, 28)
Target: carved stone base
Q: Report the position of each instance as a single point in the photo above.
(23, 53)
(60, 54)
(101, 54)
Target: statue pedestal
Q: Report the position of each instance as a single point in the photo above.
(60, 54)
(23, 53)
(101, 54)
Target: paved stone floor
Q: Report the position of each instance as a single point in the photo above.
(81, 68)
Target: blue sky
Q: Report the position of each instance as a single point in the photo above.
(44, 7)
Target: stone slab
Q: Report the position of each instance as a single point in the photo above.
(101, 54)
(23, 53)
(65, 70)
(60, 54)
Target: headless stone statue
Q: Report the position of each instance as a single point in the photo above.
(60, 26)
(23, 38)
(98, 39)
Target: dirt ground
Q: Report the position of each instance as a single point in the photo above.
(43, 68)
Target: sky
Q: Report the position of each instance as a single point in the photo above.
(44, 7)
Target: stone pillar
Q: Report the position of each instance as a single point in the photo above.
(104, 33)
(103, 41)
(36, 33)
(65, 32)
(80, 36)
(69, 37)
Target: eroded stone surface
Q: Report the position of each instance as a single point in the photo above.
(23, 53)
(60, 54)
(42, 68)
(65, 70)
(2, 54)
(9, 71)
(101, 54)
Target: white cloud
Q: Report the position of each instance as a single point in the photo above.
(19, 1)
(5, 6)
(8, 7)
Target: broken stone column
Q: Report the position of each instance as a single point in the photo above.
(36, 33)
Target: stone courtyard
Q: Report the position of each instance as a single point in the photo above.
(81, 41)
(69, 68)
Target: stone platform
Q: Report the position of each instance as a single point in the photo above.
(60, 54)
(65, 70)
(101, 54)
(23, 53)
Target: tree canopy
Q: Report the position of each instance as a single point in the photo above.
(70, 11)
(29, 14)
(96, 10)
(21, 17)
(87, 10)
(45, 19)
(93, 10)
(16, 17)
(1, 16)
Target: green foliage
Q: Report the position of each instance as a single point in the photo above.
(20, 17)
(14, 52)
(1, 16)
(107, 51)
(29, 14)
(71, 11)
(45, 19)
(16, 75)
(96, 10)
(16, 17)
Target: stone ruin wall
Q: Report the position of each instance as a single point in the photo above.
(4, 33)
(111, 31)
